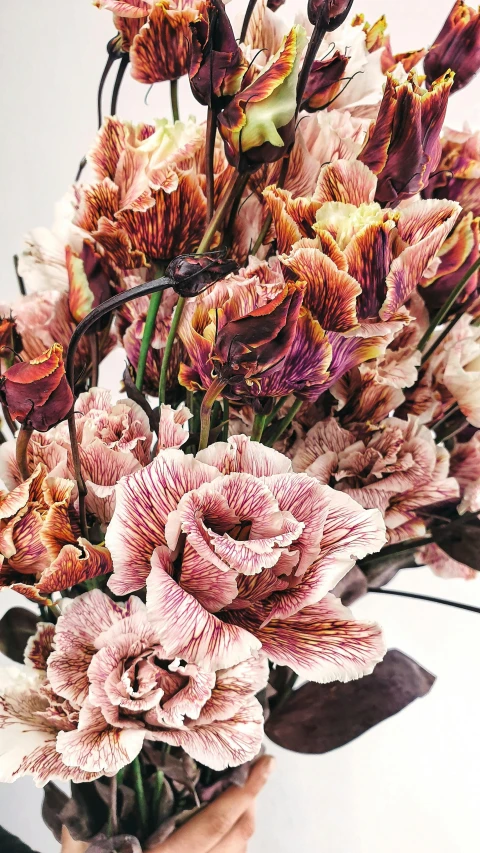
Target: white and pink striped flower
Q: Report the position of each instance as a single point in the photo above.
(238, 553)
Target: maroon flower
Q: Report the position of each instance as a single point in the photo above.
(37, 392)
(403, 147)
(333, 12)
(193, 273)
(324, 82)
(217, 64)
(457, 47)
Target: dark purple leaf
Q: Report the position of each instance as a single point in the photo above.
(16, 628)
(460, 540)
(85, 814)
(317, 718)
(352, 587)
(381, 569)
(54, 800)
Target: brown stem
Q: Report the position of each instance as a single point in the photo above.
(248, 14)
(211, 395)
(316, 39)
(209, 160)
(94, 355)
(113, 821)
(21, 451)
(77, 467)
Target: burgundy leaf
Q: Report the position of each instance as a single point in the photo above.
(320, 717)
(16, 628)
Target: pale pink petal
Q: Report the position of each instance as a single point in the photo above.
(242, 455)
(102, 468)
(213, 588)
(188, 631)
(348, 181)
(322, 642)
(97, 747)
(143, 503)
(234, 686)
(170, 431)
(221, 744)
(40, 646)
(443, 565)
(126, 8)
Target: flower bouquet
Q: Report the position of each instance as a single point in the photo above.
(294, 283)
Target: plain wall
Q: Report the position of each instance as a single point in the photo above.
(412, 783)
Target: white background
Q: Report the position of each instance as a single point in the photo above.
(412, 783)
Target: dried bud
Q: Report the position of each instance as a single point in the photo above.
(328, 13)
(258, 343)
(10, 340)
(273, 5)
(191, 274)
(36, 392)
(403, 146)
(217, 64)
(324, 82)
(457, 47)
(88, 281)
(258, 126)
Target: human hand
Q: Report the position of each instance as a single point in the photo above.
(224, 826)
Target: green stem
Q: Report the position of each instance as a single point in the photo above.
(177, 315)
(174, 100)
(157, 794)
(278, 405)
(445, 309)
(284, 423)
(148, 331)
(217, 219)
(140, 795)
(258, 427)
(211, 395)
(226, 419)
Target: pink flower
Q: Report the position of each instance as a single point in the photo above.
(239, 553)
(465, 466)
(109, 662)
(442, 565)
(114, 440)
(31, 717)
(396, 468)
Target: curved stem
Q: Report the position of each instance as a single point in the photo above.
(419, 597)
(226, 419)
(174, 100)
(118, 82)
(211, 395)
(284, 423)
(258, 427)
(106, 308)
(248, 14)
(148, 331)
(82, 489)
(21, 451)
(209, 158)
(444, 311)
(110, 60)
(94, 354)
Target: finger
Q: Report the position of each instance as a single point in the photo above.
(207, 829)
(69, 845)
(237, 839)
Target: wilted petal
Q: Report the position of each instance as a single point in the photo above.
(234, 686)
(75, 565)
(170, 431)
(443, 565)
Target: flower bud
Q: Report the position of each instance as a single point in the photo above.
(191, 274)
(258, 126)
(403, 147)
(328, 13)
(10, 340)
(36, 392)
(324, 82)
(217, 64)
(457, 47)
(258, 343)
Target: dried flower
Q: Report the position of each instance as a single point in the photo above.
(457, 47)
(324, 82)
(217, 64)
(37, 392)
(191, 274)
